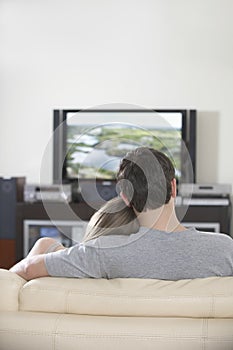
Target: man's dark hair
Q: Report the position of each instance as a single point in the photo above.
(144, 177)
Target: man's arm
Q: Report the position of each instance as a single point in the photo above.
(78, 261)
(31, 267)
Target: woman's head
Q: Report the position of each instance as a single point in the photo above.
(113, 218)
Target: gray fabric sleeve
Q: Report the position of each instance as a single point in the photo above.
(78, 261)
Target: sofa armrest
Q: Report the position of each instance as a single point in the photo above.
(10, 286)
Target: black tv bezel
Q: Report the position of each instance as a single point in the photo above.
(59, 140)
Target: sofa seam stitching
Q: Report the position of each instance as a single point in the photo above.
(131, 296)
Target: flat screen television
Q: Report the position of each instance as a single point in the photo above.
(89, 144)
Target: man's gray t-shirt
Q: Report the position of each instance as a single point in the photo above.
(147, 254)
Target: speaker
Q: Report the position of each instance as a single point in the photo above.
(11, 191)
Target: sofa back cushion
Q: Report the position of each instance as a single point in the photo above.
(207, 297)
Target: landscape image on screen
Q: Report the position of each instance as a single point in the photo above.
(96, 151)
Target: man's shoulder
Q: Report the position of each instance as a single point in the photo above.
(219, 239)
(214, 235)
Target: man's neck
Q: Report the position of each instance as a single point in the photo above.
(162, 219)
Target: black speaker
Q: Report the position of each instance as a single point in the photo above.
(11, 190)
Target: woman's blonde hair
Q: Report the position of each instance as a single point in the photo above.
(112, 218)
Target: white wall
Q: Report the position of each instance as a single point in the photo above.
(79, 53)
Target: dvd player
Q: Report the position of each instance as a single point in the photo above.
(50, 193)
(205, 190)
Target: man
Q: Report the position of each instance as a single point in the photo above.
(163, 248)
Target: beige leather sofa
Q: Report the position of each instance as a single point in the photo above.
(76, 314)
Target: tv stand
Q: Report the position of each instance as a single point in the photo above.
(36, 211)
(207, 217)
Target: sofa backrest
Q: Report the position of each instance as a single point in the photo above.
(206, 297)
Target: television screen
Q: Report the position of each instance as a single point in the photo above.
(94, 141)
(95, 151)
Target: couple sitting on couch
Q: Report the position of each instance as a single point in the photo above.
(136, 235)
